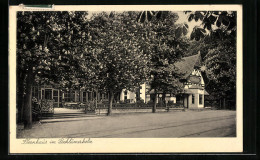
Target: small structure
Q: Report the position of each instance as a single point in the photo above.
(193, 91)
(192, 95)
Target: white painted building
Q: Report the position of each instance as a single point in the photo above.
(193, 92)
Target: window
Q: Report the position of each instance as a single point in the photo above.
(106, 96)
(193, 99)
(125, 94)
(84, 98)
(43, 94)
(48, 93)
(90, 96)
(66, 96)
(200, 99)
(72, 96)
(55, 95)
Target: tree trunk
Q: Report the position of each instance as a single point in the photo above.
(28, 102)
(155, 102)
(111, 98)
(20, 97)
(224, 103)
(20, 103)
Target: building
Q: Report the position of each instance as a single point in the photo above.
(63, 96)
(192, 95)
(193, 92)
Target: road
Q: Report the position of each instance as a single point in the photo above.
(73, 124)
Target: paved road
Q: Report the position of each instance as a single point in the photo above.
(73, 124)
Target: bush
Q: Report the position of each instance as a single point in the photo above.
(141, 101)
(170, 103)
(150, 102)
(161, 104)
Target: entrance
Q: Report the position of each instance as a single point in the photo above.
(52, 94)
(57, 96)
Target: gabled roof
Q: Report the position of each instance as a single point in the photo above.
(187, 64)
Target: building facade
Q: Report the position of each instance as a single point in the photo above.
(192, 95)
(193, 92)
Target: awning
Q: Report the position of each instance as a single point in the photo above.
(192, 91)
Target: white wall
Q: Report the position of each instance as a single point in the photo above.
(196, 94)
(170, 99)
(143, 92)
(130, 95)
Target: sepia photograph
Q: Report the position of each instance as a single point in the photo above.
(87, 75)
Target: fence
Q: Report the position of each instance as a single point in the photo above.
(42, 108)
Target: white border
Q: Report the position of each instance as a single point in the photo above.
(129, 145)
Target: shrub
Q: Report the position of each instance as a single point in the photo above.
(170, 103)
(141, 101)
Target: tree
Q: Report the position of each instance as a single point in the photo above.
(217, 41)
(118, 47)
(46, 51)
(167, 47)
(32, 54)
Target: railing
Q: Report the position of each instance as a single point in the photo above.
(91, 107)
(42, 108)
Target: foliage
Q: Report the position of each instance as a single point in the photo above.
(122, 45)
(221, 67)
(46, 51)
(47, 45)
(210, 21)
(168, 47)
(217, 43)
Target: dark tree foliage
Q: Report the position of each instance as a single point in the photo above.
(46, 52)
(217, 42)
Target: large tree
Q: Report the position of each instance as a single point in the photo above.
(47, 44)
(118, 47)
(216, 39)
(167, 47)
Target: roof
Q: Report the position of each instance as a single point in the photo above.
(189, 91)
(192, 91)
(187, 64)
(206, 93)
